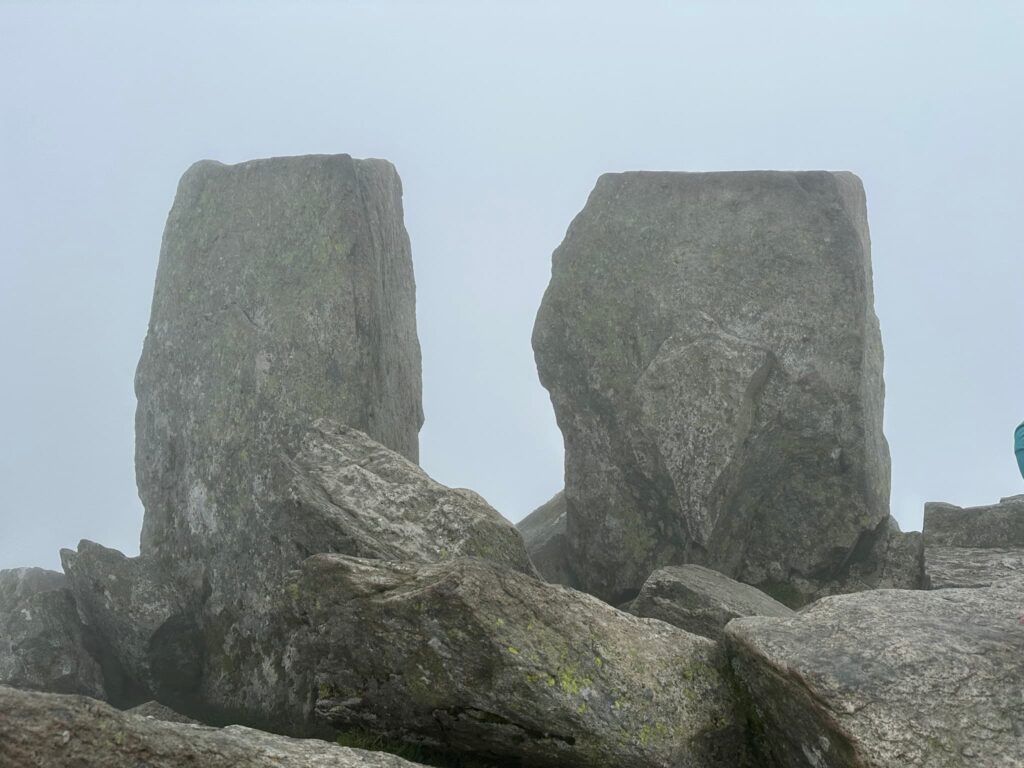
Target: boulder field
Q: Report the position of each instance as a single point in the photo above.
(719, 585)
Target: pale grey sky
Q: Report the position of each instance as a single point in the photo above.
(499, 118)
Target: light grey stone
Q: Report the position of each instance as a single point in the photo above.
(973, 546)
(43, 646)
(888, 679)
(284, 294)
(972, 567)
(700, 600)
(993, 526)
(713, 356)
(472, 658)
(543, 532)
(158, 711)
(40, 730)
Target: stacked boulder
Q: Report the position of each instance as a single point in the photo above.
(715, 364)
(973, 547)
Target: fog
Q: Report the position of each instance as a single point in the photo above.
(499, 118)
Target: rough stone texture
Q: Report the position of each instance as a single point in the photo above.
(971, 567)
(158, 711)
(220, 659)
(39, 730)
(973, 546)
(888, 679)
(891, 559)
(369, 501)
(284, 293)
(543, 532)
(994, 526)
(700, 600)
(145, 619)
(715, 365)
(43, 646)
(469, 657)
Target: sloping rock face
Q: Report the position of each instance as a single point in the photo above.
(372, 502)
(39, 730)
(973, 546)
(700, 600)
(222, 660)
(158, 711)
(888, 679)
(473, 658)
(543, 532)
(714, 360)
(284, 294)
(43, 646)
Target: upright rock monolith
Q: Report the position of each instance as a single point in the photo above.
(284, 294)
(714, 360)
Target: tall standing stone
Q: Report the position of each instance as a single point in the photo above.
(715, 364)
(284, 294)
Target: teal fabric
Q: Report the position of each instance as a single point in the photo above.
(1018, 447)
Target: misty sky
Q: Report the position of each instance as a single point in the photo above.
(499, 118)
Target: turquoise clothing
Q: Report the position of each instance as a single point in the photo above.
(1018, 447)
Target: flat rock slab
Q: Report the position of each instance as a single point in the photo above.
(888, 679)
(711, 349)
(39, 730)
(700, 600)
(995, 526)
(43, 645)
(471, 658)
(971, 567)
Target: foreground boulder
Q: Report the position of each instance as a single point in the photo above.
(543, 533)
(974, 546)
(713, 356)
(469, 657)
(218, 657)
(43, 646)
(888, 679)
(39, 730)
(700, 600)
(284, 294)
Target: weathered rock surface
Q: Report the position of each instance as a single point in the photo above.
(700, 600)
(543, 532)
(968, 567)
(470, 657)
(888, 679)
(158, 711)
(145, 620)
(369, 501)
(43, 646)
(973, 546)
(284, 294)
(221, 660)
(39, 730)
(715, 365)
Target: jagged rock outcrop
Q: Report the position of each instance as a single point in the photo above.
(40, 730)
(284, 294)
(712, 353)
(471, 657)
(43, 646)
(543, 533)
(700, 600)
(888, 679)
(345, 493)
(973, 546)
(145, 619)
